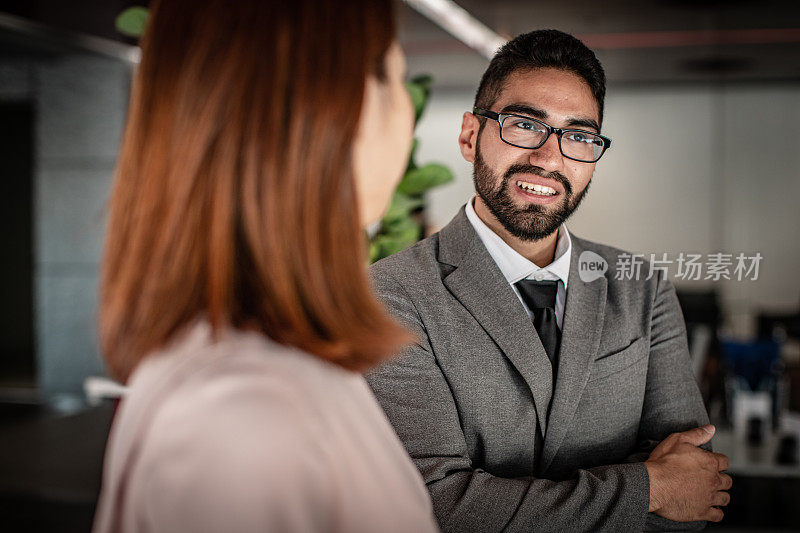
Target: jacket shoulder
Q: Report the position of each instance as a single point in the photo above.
(628, 272)
(413, 264)
(607, 252)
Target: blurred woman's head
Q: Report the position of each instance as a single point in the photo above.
(384, 137)
(261, 138)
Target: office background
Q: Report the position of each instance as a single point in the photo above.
(703, 105)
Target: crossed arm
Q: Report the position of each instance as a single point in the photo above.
(416, 397)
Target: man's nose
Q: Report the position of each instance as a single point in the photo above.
(548, 156)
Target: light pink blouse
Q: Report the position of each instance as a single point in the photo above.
(244, 434)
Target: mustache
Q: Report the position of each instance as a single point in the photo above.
(522, 168)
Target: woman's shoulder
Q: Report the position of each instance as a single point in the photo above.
(267, 432)
(237, 405)
(231, 365)
(239, 377)
(230, 425)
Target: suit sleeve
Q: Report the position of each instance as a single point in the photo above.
(672, 400)
(417, 399)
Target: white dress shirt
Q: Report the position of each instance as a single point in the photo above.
(515, 267)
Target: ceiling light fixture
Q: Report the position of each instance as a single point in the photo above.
(460, 24)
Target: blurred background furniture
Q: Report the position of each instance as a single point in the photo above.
(50, 463)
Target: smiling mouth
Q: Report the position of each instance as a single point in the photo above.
(539, 190)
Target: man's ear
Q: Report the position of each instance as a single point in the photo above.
(468, 138)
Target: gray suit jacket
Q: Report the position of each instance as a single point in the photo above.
(474, 404)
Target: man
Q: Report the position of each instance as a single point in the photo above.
(533, 397)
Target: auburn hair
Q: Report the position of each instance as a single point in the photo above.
(234, 198)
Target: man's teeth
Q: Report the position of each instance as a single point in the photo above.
(536, 189)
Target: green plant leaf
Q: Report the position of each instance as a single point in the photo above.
(131, 22)
(402, 228)
(374, 251)
(388, 244)
(420, 179)
(422, 83)
(411, 160)
(425, 80)
(400, 208)
(418, 98)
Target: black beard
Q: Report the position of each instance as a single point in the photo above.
(533, 222)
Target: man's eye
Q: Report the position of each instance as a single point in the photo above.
(529, 125)
(579, 137)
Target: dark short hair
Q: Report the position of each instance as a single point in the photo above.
(542, 49)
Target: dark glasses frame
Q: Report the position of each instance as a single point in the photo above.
(500, 117)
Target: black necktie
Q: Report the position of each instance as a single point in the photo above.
(540, 297)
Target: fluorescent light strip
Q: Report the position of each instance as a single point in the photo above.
(57, 39)
(460, 24)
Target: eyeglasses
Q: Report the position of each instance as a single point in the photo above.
(527, 132)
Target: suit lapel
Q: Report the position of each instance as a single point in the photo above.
(580, 338)
(481, 288)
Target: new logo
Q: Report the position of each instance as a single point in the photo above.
(591, 266)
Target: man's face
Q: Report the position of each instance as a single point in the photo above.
(505, 174)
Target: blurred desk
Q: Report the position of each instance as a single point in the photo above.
(765, 495)
(750, 460)
(50, 466)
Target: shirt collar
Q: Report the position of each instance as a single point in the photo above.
(514, 266)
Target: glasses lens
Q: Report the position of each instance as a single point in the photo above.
(582, 145)
(523, 132)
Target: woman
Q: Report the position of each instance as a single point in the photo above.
(262, 138)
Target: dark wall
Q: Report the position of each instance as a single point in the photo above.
(16, 242)
(94, 17)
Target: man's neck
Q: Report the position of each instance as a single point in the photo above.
(540, 252)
